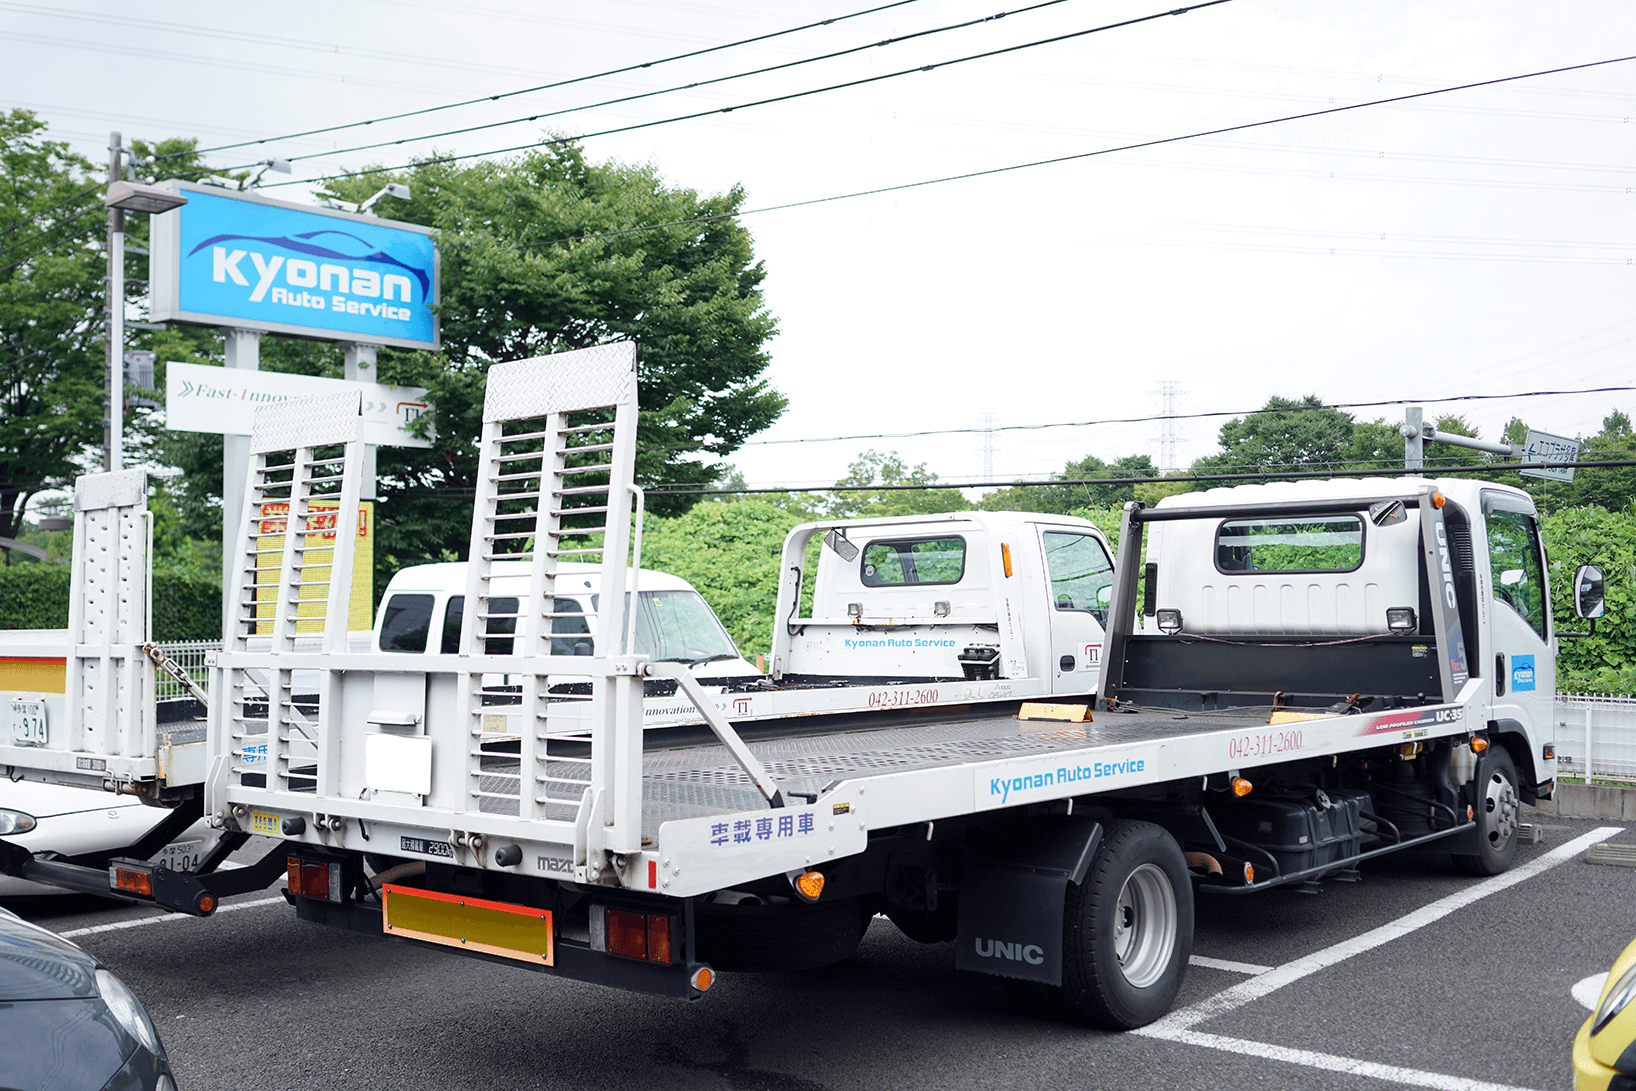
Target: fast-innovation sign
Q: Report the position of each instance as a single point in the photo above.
(225, 400)
(241, 259)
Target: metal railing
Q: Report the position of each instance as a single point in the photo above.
(190, 656)
(1596, 736)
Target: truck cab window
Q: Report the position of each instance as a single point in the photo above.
(500, 629)
(1514, 564)
(1079, 570)
(1290, 544)
(914, 560)
(405, 623)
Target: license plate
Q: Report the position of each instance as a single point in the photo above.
(180, 856)
(28, 723)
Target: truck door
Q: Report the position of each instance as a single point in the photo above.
(1081, 578)
(1520, 652)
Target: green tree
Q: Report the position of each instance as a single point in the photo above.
(1284, 435)
(1060, 499)
(730, 552)
(51, 358)
(544, 253)
(1613, 488)
(1606, 661)
(876, 469)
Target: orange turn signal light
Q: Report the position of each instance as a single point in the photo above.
(1242, 787)
(1438, 499)
(703, 978)
(1249, 874)
(1005, 558)
(809, 884)
(1471, 812)
(1478, 745)
(134, 881)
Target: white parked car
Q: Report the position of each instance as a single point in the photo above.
(84, 821)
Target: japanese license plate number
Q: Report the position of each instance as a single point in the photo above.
(180, 855)
(28, 722)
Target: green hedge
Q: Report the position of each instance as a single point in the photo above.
(186, 605)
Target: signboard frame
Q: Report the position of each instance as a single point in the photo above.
(165, 270)
(1545, 447)
(237, 392)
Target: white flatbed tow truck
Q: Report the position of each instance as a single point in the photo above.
(1294, 679)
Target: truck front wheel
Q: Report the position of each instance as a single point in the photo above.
(1128, 929)
(1499, 809)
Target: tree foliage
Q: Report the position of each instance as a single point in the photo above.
(873, 468)
(1061, 499)
(51, 296)
(730, 552)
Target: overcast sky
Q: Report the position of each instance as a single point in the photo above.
(1478, 242)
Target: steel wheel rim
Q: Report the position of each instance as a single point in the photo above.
(1144, 927)
(1501, 806)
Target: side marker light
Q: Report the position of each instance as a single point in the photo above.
(1249, 874)
(809, 884)
(1478, 744)
(703, 978)
(1242, 787)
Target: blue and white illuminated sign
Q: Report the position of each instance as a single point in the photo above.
(241, 259)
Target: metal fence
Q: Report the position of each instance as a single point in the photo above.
(1598, 734)
(190, 656)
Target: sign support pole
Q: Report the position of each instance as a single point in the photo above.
(360, 368)
(113, 428)
(243, 352)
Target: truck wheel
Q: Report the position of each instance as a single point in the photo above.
(1498, 814)
(1128, 929)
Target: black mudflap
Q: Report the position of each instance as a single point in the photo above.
(1012, 894)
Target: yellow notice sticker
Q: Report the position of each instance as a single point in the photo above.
(264, 823)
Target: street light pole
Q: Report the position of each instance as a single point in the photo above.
(113, 429)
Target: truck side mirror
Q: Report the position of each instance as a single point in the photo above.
(1590, 601)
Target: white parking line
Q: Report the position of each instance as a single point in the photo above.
(141, 921)
(1178, 1025)
(1332, 1063)
(1228, 965)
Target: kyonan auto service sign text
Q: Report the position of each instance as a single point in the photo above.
(241, 259)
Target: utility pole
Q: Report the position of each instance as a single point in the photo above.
(113, 414)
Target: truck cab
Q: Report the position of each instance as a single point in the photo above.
(422, 610)
(970, 595)
(1374, 602)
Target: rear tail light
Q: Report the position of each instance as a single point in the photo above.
(649, 937)
(318, 879)
(132, 878)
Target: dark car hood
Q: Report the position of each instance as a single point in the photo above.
(37, 965)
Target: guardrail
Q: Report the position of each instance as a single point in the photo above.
(1596, 736)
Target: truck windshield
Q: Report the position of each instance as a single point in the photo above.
(1079, 569)
(680, 625)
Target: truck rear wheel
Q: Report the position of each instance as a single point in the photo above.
(1128, 929)
(1499, 809)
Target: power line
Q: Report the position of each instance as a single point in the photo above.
(1263, 475)
(53, 247)
(1152, 417)
(562, 83)
(47, 211)
(706, 83)
(710, 218)
(788, 97)
(59, 224)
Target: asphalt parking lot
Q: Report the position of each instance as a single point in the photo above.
(1416, 976)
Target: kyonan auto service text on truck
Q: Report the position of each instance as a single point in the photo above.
(1292, 679)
